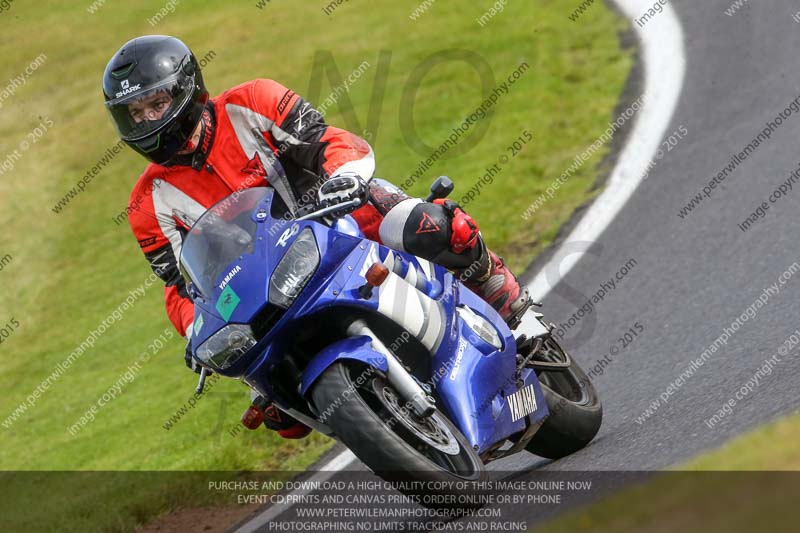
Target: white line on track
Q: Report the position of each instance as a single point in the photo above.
(661, 41)
(340, 462)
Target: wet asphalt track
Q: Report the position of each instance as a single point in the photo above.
(695, 275)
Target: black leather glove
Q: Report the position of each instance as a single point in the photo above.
(190, 361)
(340, 189)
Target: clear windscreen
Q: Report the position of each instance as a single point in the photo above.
(222, 234)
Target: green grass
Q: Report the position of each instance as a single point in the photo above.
(746, 485)
(69, 271)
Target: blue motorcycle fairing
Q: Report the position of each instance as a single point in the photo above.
(466, 398)
(473, 388)
(244, 303)
(348, 226)
(475, 376)
(268, 356)
(342, 287)
(354, 348)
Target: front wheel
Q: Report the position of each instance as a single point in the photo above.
(367, 415)
(575, 409)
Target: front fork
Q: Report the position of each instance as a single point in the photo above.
(403, 382)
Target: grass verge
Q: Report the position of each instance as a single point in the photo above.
(749, 484)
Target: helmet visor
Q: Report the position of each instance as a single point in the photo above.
(141, 111)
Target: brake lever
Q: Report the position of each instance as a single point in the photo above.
(355, 202)
(201, 383)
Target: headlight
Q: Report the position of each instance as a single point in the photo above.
(481, 326)
(226, 346)
(294, 269)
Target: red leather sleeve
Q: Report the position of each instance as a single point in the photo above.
(300, 132)
(159, 253)
(180, 309)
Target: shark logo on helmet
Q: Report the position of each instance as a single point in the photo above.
(128, 89)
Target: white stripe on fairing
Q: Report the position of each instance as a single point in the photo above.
(414, 310)
(419, 310)
(428, 268)
(169, 203)
(432, 331)
(371, 258)
(411, 275)
(411, 315)
(389, 261)
(442, 318)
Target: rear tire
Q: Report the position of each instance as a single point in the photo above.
(575, 411)
(392, 450)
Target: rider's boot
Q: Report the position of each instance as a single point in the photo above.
(274, 419)
(492, 280)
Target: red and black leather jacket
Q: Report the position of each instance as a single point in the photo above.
(246, 129)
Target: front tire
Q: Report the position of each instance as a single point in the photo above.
(575, 409)
(364, 416)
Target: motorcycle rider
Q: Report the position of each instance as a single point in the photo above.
(203, 149)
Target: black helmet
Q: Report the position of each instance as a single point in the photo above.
(146, 66)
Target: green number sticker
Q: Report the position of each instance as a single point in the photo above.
(227, 303)
(198, 324)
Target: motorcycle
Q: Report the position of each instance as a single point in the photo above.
(382, 350)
